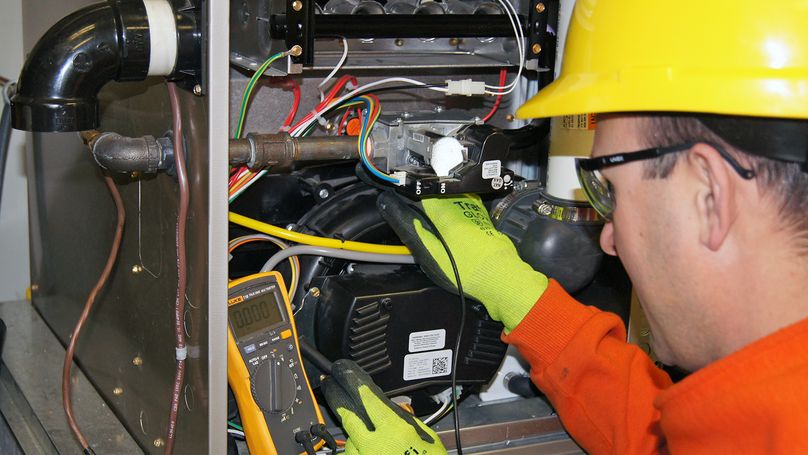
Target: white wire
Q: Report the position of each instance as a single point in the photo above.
(516, 24)
(235, 432)
(300, 129)
(247, 185)
(520, 44)
(336, 68)
(431, 419)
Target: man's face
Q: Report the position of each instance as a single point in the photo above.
(651, 234)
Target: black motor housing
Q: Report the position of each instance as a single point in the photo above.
(402, 329)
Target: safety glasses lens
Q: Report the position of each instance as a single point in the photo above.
(597, 190)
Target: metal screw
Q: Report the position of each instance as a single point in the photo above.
(387, 303)
(297, 5)
(399, 42)
(323, 193)
(509, 117)
(135, 175)
(159, 442)
(536, 48)
(454, 41)
(330, 126)
(137, 268)
(34, 287)
(137, 361)
(540, 8)
(645, 332)
(198, 90)
(296, 51)
(117, 391)
(315, 292)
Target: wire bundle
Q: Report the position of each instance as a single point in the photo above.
(369, 115)
(242, 178)
(293, 260)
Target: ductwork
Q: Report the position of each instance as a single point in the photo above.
(122, 40)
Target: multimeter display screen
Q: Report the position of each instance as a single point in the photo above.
(255, 314)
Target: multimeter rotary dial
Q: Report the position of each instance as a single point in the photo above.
(274, 386)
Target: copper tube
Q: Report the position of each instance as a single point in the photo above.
(102, 280)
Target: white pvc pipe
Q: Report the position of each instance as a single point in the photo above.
(162, 37)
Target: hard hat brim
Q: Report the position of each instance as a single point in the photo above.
(666, 90)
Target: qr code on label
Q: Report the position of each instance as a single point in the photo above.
(440, 365)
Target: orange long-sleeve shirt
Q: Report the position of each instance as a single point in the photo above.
(613, 399)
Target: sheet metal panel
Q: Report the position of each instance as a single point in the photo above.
(127, 348)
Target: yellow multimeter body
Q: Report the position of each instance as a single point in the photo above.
(264, 367)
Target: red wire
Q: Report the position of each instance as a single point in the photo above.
(341, 83)
(503, 73)
(343, 123)
(295, 104)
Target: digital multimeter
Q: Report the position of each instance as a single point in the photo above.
(264, 367)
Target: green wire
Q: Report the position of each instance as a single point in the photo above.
(245, 99)
(235, 425)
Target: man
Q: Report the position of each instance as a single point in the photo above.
(699, 168)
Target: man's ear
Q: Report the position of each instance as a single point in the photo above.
(715, 194)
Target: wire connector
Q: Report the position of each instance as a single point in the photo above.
(466, 87)
(182, 353)
(446, 395)
(401, 176)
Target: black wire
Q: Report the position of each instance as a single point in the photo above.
(314, 356)
(456, 412)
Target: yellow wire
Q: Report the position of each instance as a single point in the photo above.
(306, 239)
(293, 260)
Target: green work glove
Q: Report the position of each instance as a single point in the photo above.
(374, 424)
(490, 269)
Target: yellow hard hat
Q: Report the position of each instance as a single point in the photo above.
(733, 57)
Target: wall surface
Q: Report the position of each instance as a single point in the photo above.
(14, 269)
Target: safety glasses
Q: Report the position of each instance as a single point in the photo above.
(598, 189)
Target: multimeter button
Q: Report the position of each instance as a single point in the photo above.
(286, 334)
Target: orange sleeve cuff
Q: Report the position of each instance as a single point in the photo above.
(550, 325)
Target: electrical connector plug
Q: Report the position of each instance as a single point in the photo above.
(304, 438)
(466, 87)
(401, 176)
(446, 395)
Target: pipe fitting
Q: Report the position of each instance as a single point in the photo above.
(122, 40)
(281, 151)
(123, 154)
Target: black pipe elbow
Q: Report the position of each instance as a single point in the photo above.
(58, 87)
(122, 40)
(145, 154)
